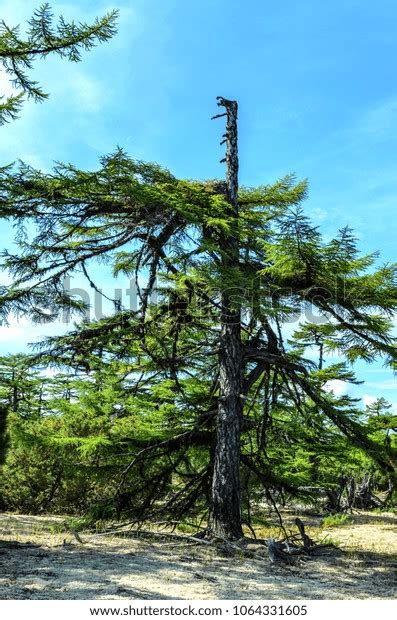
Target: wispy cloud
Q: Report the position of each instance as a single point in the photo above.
(80, 90)
(18, 334)
(389, 384)
(378, 122)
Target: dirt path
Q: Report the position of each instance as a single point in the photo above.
(38, 563)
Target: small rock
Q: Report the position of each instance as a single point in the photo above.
(255, 547)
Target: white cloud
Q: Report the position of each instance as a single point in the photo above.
(16, 336)
(368, 400)
(336, 386)
(6, 88)
(11, 333)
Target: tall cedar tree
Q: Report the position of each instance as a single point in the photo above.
(232, 268)
(225, 507)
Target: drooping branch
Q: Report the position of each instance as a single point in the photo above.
(385, 458)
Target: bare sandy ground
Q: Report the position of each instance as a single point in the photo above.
(36, 562)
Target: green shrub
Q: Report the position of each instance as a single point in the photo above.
(336, 520)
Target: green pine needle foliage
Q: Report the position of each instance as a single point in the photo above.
(44, 36)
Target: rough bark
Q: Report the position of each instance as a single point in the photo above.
(3, 433)
(225, 508)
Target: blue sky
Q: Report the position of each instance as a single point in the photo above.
(316, 87)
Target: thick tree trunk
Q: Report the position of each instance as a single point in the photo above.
(225, 509)
(3, 433)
